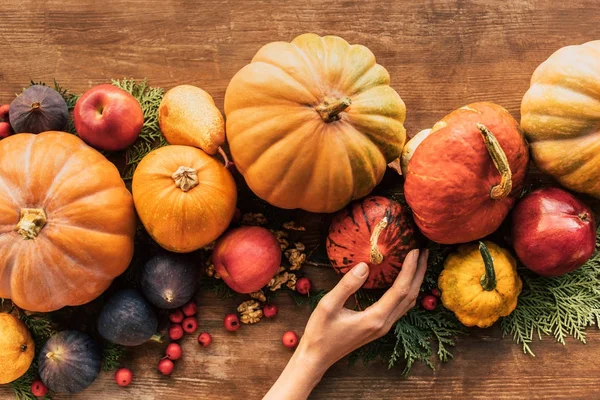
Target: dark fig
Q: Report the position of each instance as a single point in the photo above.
(38, 109)
(169, 280)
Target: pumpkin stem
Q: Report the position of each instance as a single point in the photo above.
(31, 223)
(488, 281)
(376, 255)
(329, 109)
(185, 178)
(498, 156)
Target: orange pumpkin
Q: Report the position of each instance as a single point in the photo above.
(184, 197)
(312, 124)
(67, 221)
(559, 115)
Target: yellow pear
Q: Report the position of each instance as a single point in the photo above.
(188, 116)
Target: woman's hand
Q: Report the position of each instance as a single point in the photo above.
(334, 331)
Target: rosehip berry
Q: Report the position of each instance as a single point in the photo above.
(270, 310)
(190, 325)
(190, 309)
(205, 339)
(429, 302)
(303, 285)
(232, 322)
(435, 292)
(173, 351)
(290, 339)
(123, 377)
(4, 112)
(5, 130)
(166, 366)
(176, 316)
(38, 389)
(175, 332)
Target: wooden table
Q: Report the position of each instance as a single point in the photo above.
(440, 54)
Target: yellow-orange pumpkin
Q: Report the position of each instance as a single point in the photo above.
(184, 197)
(560, 116)
(16, 348)
(312, 124)
(66, 221)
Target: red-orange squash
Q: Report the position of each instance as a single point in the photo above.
(465, 175)
(67, 221)
(184, 197)
(312, 124)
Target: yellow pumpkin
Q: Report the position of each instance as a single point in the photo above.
(560, 116)
(16, 348)
(312, 124)
(480, 284)
(184, 197)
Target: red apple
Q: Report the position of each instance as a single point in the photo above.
(108, 118)
(553, 232)
(247, 258)
(5, 128)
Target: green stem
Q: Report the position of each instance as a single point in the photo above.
(157, 337)
(488, 281)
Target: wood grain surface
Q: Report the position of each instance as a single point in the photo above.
(441, 54)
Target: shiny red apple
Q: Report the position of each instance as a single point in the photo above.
(108, 118)
(553, 232)
(247, 258)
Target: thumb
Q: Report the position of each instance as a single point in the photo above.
(349, 284)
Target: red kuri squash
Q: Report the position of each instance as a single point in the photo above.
(465, 175)
(377, 231)
(66, 221)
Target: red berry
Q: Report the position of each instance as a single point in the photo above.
(429, 302)
(205, 339)
(166, 366)
(38, 388)
(270, 310)
(303, 285)
(123, 377)
(232, 322)
(175, 332)
(174, 351)
(190, 309)
(190, 325)
(290, 339)
(176, 316)
(4, 112)
(435, 292)
(5, 130)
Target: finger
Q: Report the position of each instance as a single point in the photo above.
(415, 287)
(347, 286)
(399, 290)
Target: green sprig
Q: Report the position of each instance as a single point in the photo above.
(150, 137)
(112, 354)
(560, 307)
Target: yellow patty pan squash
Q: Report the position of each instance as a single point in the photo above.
(480, 284)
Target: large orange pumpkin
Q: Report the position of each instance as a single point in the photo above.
(312, 124)
(466, 173)
(184, 197)
(560, 114)
(66, 221)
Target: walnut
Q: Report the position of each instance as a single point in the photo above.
(210, 246)
(284, 244)
(296, 258)
(254, 219)
(260, 296)
(282, 238)
(281, 269)
(300, 246)
(281, 279)
(291, 284)
(293, 227)
(250, 312)
(210, 270)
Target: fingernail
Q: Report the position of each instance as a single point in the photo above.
(360, 270)
(426, 253)
(414, 254)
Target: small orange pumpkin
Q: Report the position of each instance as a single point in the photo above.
(67, 221)
(184, 197)
(312, 124)
(17, 348)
